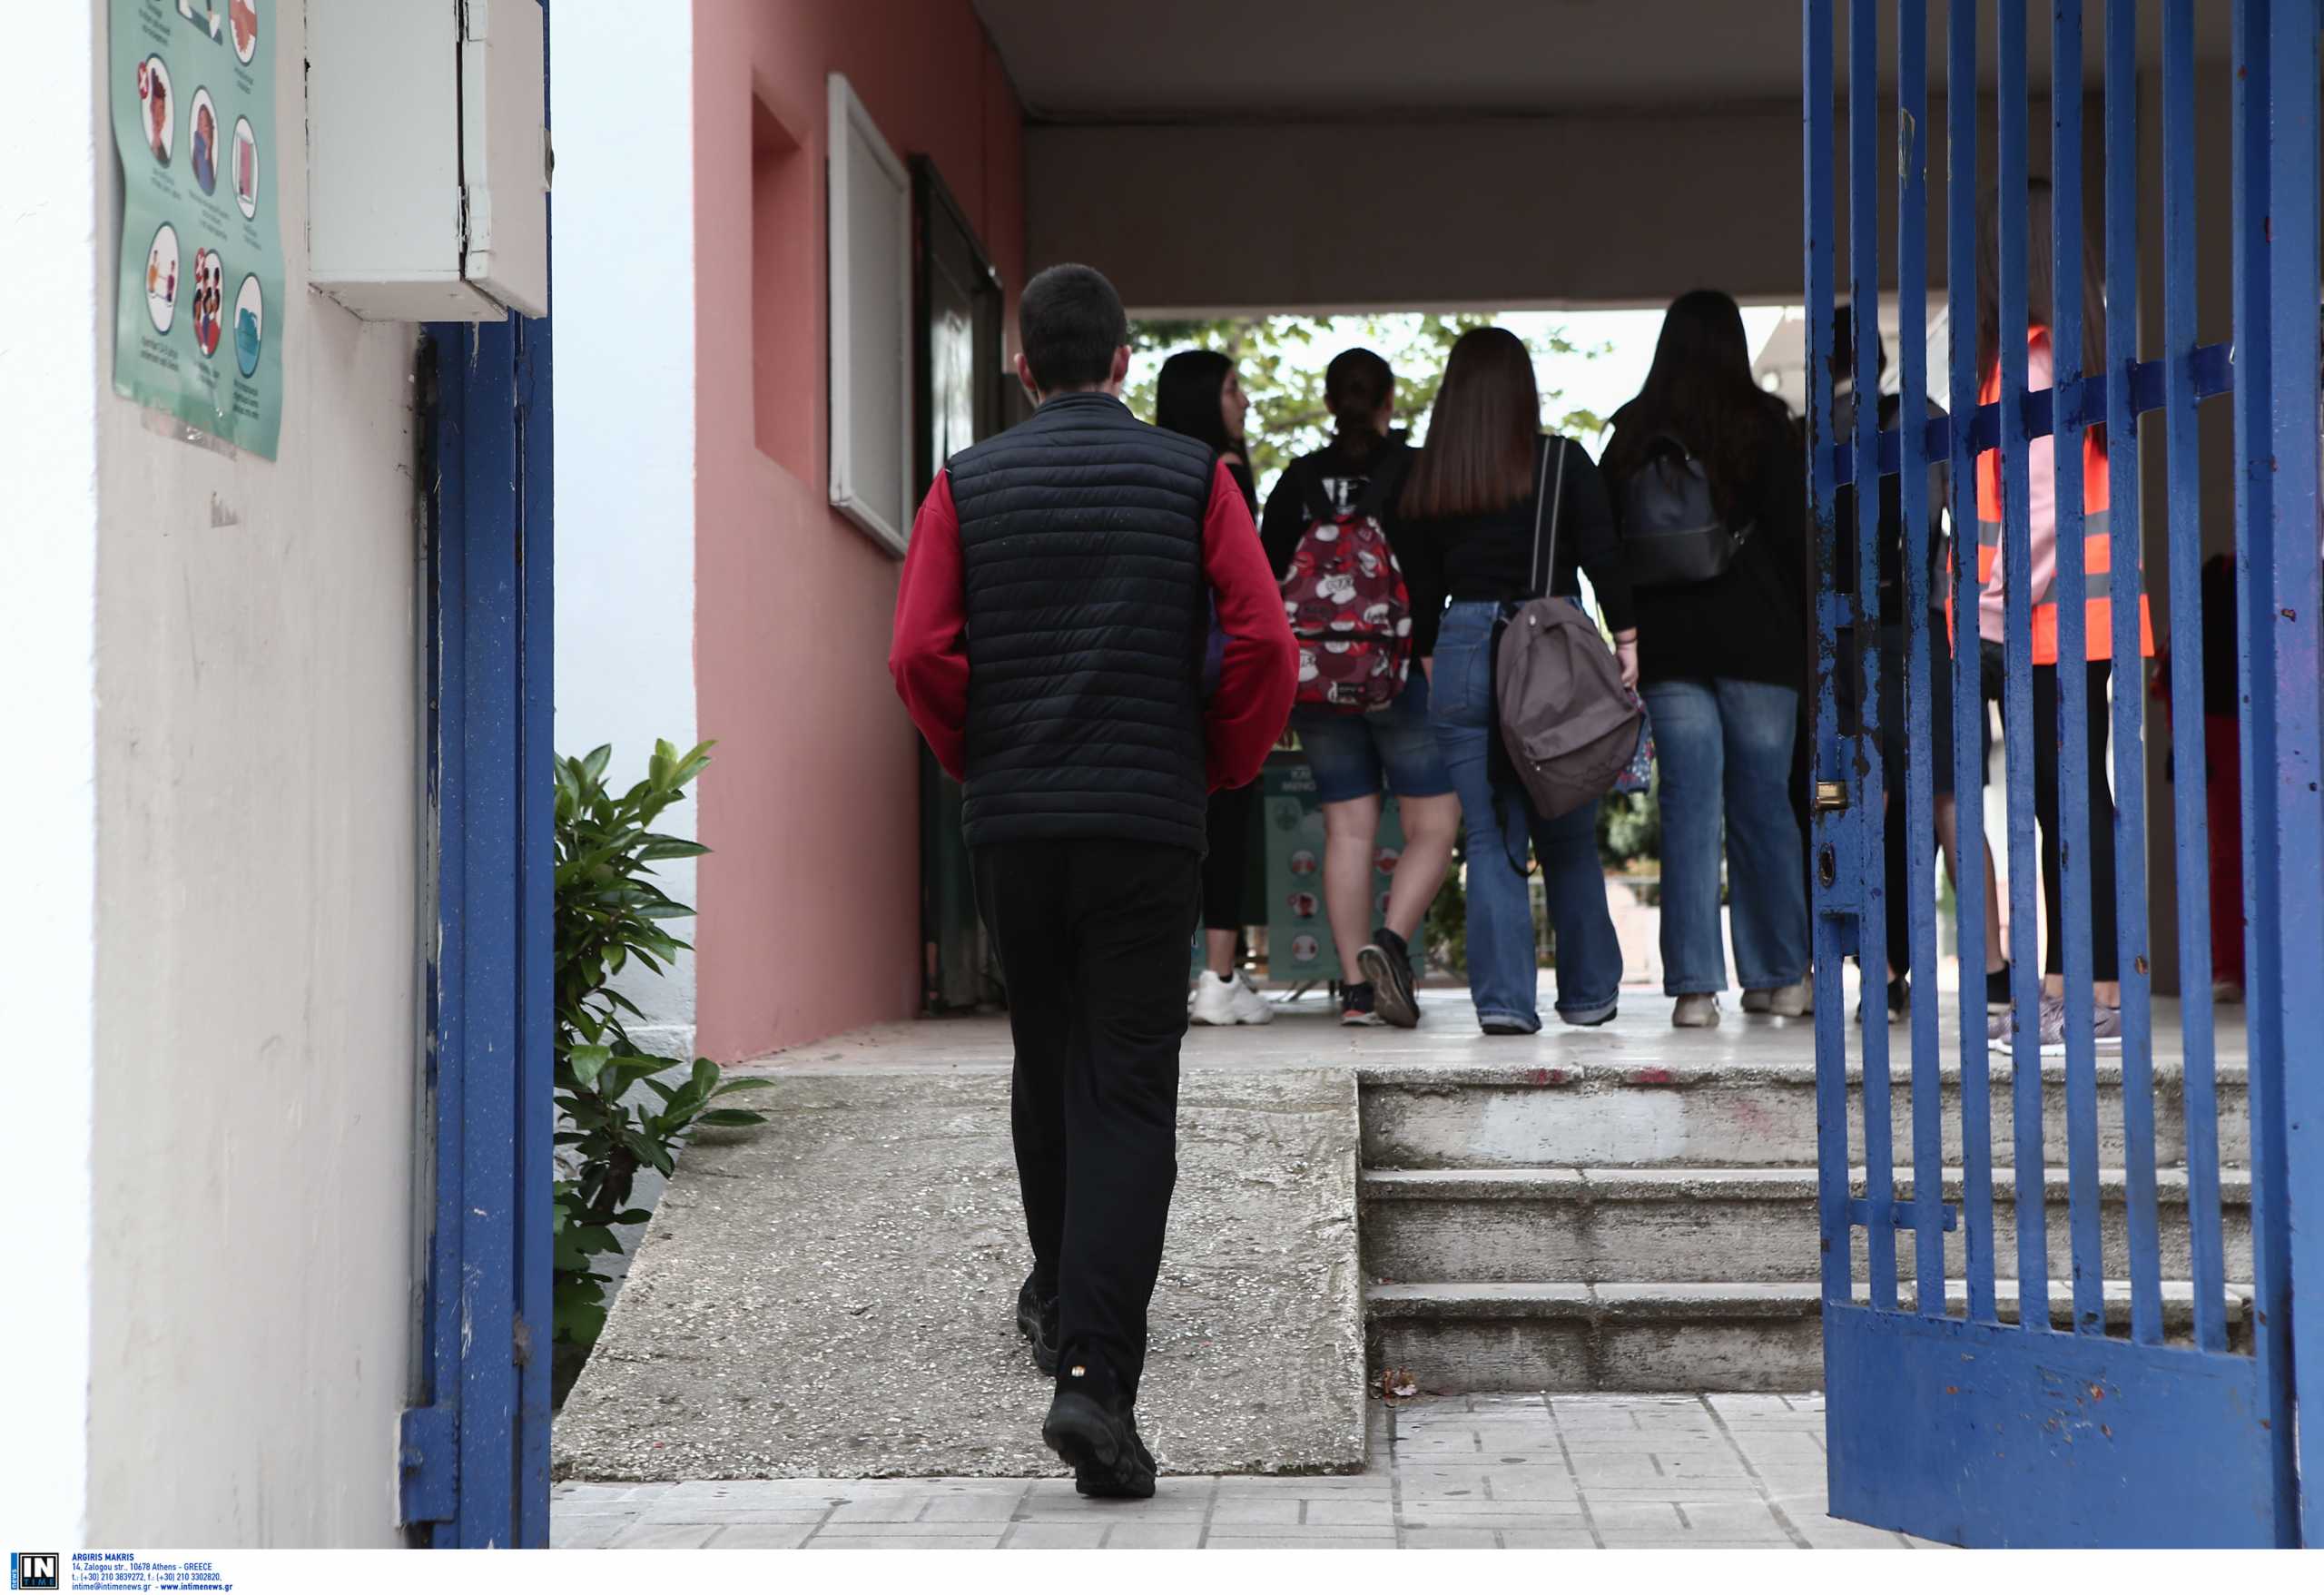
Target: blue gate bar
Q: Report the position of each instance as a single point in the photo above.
(2255, 665)
(1968, 696)
(2142, 1218)
(2017, 711)
(2085, 402)
(2292, 1169)
(1919, 810)
(2189, 780)
(1872, 922)
(1831, 1022)
(2256, 671)
(536, 1039)
(2299, 722)
(2071, 735)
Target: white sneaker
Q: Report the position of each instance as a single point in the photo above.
(1696, 1012)
(1795, 1001)
(1229, 1000)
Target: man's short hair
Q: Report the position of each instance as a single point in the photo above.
(1071, 321)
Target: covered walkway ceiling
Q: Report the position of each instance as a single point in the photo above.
(1083, 60)
(1359, 154)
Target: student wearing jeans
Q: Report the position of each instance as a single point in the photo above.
(1723, 664)
(1468, 510)
(1353, 756)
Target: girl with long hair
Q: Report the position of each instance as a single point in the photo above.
(1722, 662)
(1993, 579)
(1469, 510)
(1199, 393)
(1354, 755)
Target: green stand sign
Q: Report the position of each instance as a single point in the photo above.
(198, 317)
(1299, 936)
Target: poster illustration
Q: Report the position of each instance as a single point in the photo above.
(198, 314)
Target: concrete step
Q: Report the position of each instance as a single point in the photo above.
(1568, 1336)
(1646, 1225)
(1728, 1115)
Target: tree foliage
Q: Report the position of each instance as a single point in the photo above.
(1281, 360)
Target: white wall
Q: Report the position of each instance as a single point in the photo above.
(48, 617)
(258, 920)
(621, 104)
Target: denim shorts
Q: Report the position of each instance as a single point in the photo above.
(1353, 754)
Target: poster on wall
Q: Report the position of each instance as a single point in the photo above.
(198, 321)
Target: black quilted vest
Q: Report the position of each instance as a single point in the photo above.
(1081, 549)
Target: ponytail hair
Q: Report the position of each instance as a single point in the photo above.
(1356, 384)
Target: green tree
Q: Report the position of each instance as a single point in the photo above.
(1281, 360)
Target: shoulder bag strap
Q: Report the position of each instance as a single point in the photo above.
(1550, 500)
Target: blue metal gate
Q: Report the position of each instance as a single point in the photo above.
(2149, 1397)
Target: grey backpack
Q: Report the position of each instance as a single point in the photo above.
(1568, 724)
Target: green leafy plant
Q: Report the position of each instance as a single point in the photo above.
(610, 914)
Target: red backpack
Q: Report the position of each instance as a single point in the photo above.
(1349, 611)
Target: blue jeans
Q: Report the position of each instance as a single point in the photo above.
(1353, 754)
(1725, 749)
(1504, 973)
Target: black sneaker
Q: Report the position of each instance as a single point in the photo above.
(1387, 964)
(1109, 1462)
(1356, 1004)
(1036, 1322)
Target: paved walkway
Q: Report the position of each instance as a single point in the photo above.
(1305, 1035)
(1511, 1471)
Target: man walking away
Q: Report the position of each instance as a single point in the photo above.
(1051, 635)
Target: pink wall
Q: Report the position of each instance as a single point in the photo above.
(810, 908)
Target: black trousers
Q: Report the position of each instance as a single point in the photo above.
(1092, 937)
(2105, 958)
(1227, 868)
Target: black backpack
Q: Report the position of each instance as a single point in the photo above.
(1672, 532)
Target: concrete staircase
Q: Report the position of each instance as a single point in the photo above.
(1607, 1227)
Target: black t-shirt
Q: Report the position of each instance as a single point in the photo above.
(1892, 519)
(1489, 557)
(1750, 624)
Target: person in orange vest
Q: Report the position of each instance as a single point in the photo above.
(2095, 596)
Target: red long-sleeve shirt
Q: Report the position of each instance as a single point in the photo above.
(1245, 716)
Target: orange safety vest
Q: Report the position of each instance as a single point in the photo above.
(2097, 543)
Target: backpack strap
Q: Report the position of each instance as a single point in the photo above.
(1550, 500)
(1381, 490)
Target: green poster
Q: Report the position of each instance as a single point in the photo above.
(1299, 937)
(197, 325)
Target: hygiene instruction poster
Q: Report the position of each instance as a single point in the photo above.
(197, 325)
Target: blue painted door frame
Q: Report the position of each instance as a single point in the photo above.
(476, 1450)
(1960, 1421)
(475, 1446)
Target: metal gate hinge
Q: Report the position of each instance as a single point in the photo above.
(428, 1463)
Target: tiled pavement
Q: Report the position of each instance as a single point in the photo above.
(1514, 1472)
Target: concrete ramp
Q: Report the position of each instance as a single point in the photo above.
(832, 1295)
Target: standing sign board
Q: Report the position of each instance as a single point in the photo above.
(197, 325)
(1299, 937)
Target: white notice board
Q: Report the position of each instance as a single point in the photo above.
(870, 323)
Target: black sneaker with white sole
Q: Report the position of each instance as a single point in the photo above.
(1358, 1004)
(1036, 1322)
(1099, 1439)
(1387, 963)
